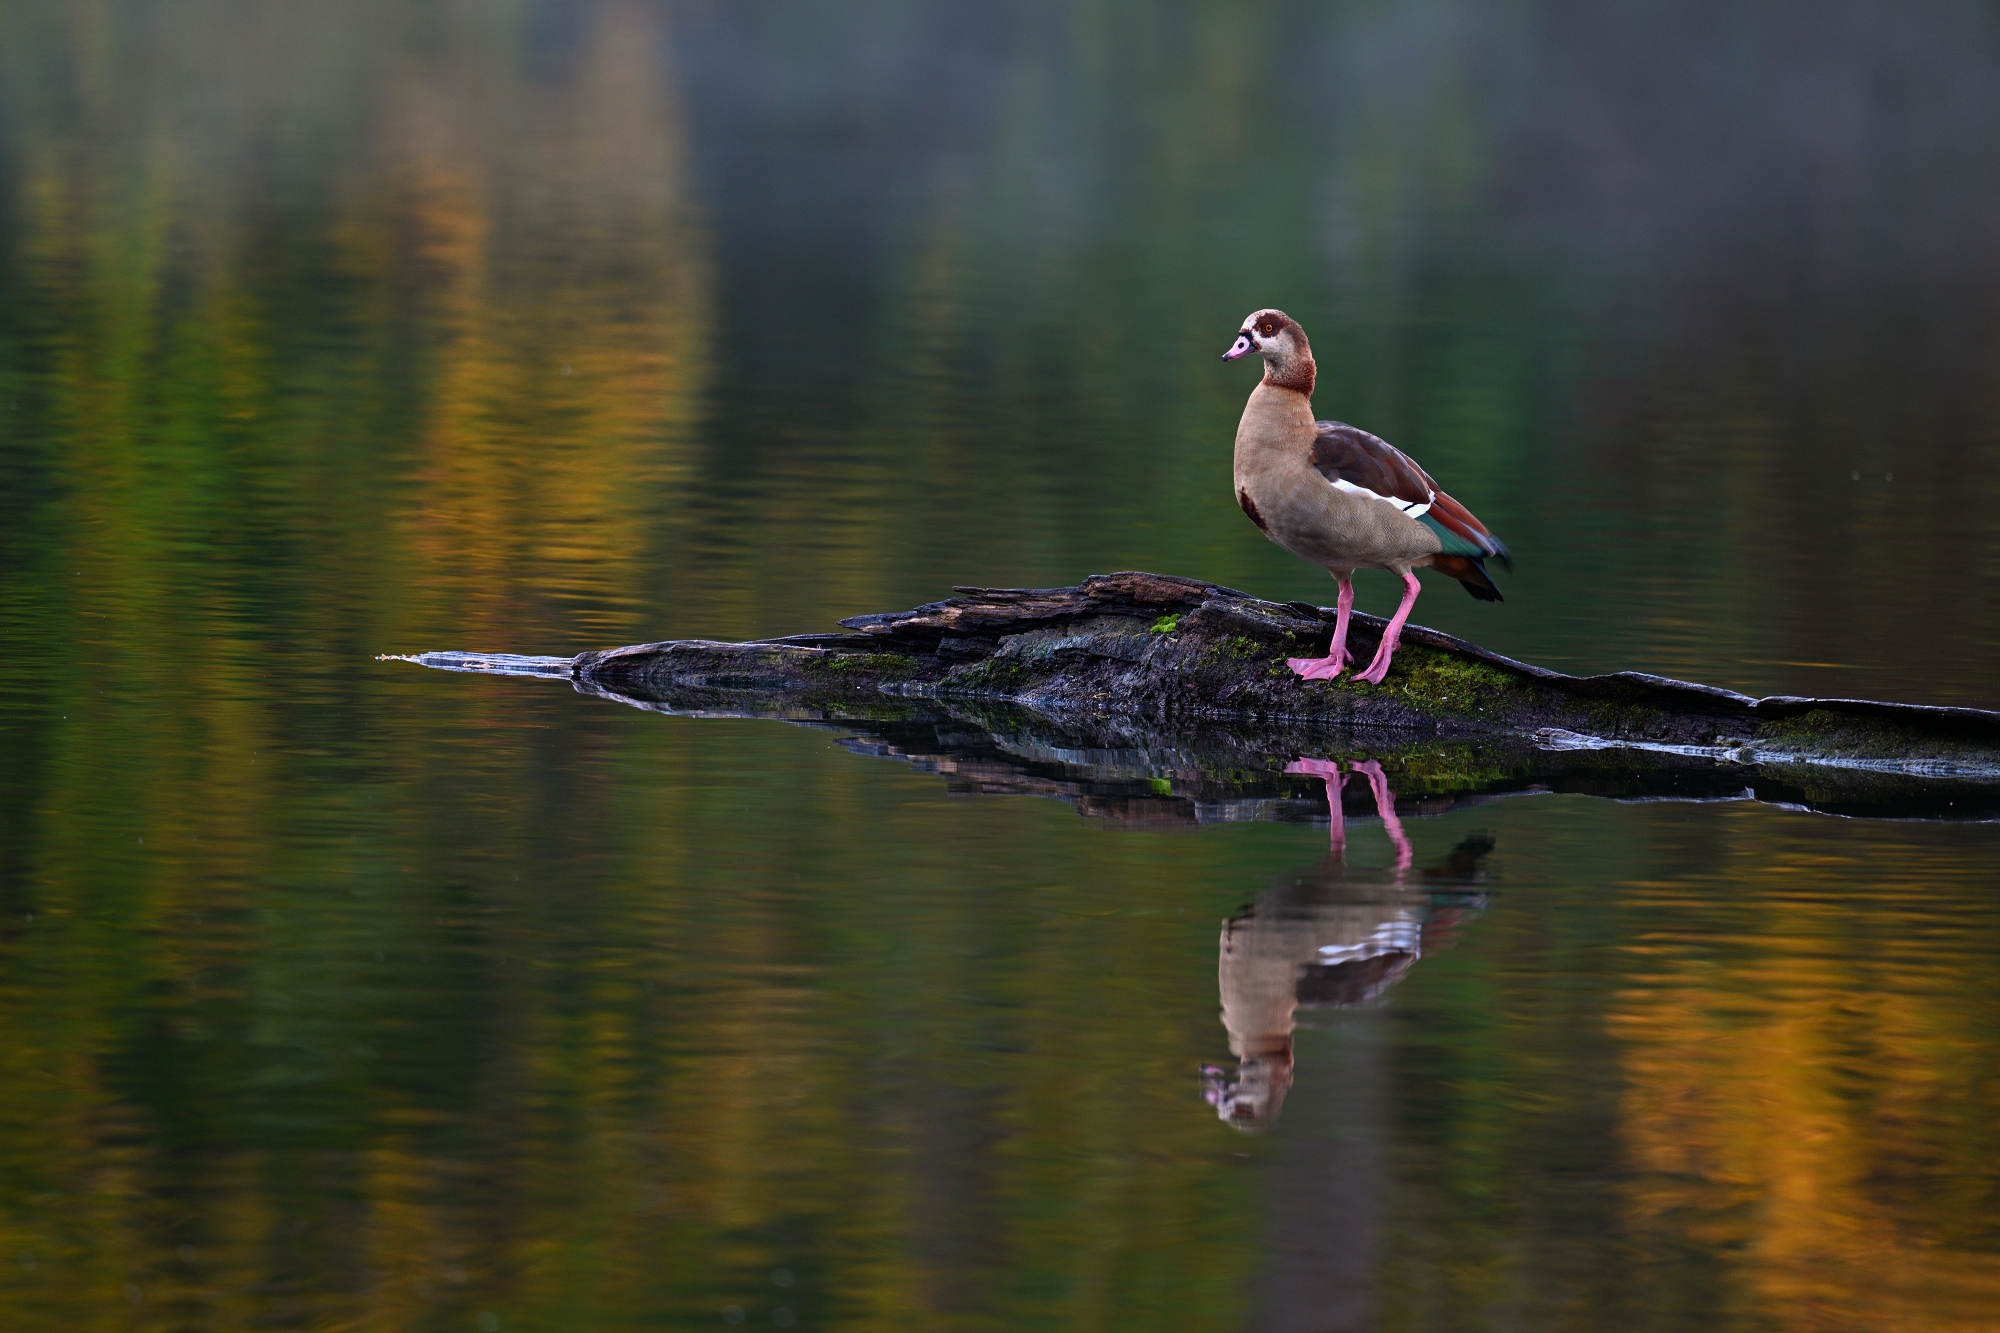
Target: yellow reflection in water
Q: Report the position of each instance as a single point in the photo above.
(1803, 1093)
(572, 339)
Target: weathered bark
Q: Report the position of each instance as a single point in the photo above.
(1157, 661)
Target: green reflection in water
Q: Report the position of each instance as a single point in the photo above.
(340, 996)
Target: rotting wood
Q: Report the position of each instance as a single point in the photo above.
(1175, 651)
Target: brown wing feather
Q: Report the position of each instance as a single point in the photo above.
(1342, 453)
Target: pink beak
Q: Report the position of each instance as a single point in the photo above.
(1242, 345)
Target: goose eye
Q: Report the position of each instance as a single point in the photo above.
(1267, 328)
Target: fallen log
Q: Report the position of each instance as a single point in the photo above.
(1159, 656)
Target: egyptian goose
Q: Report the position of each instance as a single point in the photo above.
(1343, 499)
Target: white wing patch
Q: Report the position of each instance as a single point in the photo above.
(1410, 507)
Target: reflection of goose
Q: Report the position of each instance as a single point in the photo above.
(1325, 937)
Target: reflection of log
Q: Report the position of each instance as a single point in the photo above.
(1135, 772)
(1171, 653)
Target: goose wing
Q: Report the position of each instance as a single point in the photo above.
(1353, 460)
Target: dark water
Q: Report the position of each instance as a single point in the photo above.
(335, 994)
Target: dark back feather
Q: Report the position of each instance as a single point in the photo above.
(1343, 453)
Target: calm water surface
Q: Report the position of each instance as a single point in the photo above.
(335, 994)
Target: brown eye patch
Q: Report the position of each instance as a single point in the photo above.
(1269, 328)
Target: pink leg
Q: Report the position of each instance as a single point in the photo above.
(1335, 780)
(1337, 657)
(1379, 668)
(1385, 806)
(1343, 611)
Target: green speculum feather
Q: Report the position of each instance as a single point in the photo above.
(1453, 543)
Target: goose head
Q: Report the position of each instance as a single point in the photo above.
(1272, 334)
(1277, 337)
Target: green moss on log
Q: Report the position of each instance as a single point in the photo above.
(1825, 731)
(883, 666)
